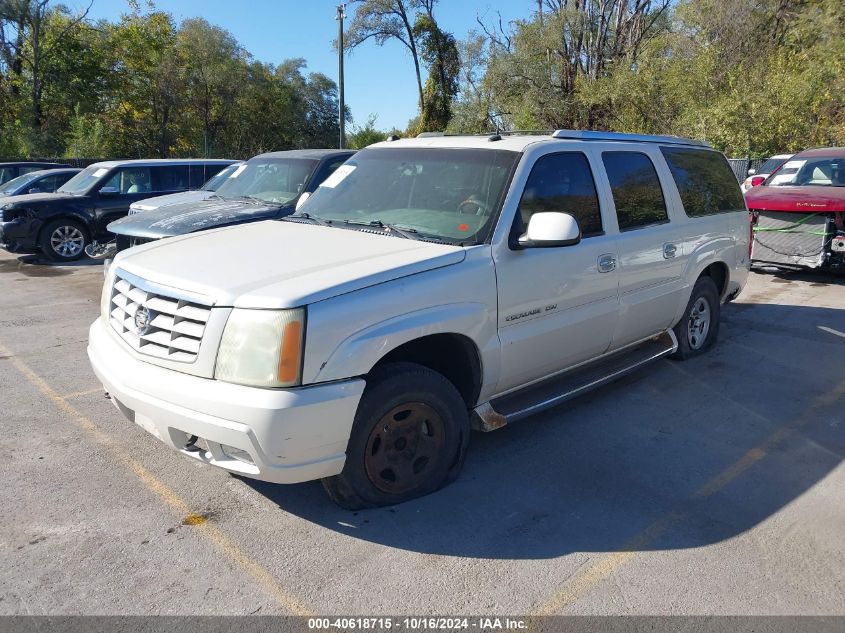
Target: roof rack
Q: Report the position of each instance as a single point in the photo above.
(590, 135)
(483, 134)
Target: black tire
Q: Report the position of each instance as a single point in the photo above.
(407, 410)
(69, 250)
(698, 342)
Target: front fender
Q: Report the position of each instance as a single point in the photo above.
(358, 353)
(70, 213)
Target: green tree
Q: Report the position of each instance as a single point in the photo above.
(43, 61)
(146, 109)
(439, 50)
(545, 75)
(367, 134)
(214, 71)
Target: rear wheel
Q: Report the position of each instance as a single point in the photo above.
(63, 240)
(698, 328)
(409, 438)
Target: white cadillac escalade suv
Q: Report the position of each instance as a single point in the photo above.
(429, 286)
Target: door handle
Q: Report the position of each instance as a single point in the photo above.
(606, 263)
(669, 250)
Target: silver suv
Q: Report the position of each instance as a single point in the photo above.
(427, 287)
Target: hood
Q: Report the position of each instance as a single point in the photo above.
(277, 264)
(801, 199)
(149, 204)
(179, 219)
(28, 198)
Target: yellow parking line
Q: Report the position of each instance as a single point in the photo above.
(606, 565)
(79, 394)
(214, 534)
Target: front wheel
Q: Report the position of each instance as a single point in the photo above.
(63, 240)
(698, 328)
(409, 438)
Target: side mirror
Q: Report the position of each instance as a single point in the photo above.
(302, 198)
(34, 190)
(109, 192)
(751, 172)
(550, 229)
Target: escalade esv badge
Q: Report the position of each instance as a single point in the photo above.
(143, 320)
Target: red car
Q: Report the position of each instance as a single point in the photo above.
(798, 213)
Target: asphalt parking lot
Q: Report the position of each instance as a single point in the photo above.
(715, 486)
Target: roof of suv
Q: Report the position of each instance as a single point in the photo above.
(517, 142)
(314, 154)
(152, 162)
(31, 163)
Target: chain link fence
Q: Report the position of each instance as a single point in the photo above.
(70, 162)
(740, 166)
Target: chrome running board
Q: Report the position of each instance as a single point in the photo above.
(565, 386)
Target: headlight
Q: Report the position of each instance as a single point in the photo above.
(105, 297)
(262, 348)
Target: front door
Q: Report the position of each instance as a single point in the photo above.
(557, 306)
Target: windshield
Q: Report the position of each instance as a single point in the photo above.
(770, 165)
(19, 183)
(448, 193)
(276, 180)
(84, 180)
(219, 178)
(799, 172)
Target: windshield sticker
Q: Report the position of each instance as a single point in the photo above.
(337, 177)
(102, 171)
(238, 171)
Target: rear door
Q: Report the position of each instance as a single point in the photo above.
(651, 242)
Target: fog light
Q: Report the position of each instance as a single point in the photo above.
(238, 454)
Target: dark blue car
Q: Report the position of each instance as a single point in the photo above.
(41, 181)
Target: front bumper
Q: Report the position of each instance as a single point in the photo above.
(276, 435)
(16, 237)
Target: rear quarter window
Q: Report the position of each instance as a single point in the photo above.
(636, 189)
(705, 181)
(170, 177)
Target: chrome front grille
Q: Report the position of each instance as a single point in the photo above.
(167, 327)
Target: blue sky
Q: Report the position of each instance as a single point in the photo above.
(379, 80)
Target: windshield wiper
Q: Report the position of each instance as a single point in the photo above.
(255, 200)
(406, 232)
(308, 216)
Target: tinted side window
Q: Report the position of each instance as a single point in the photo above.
(197, 175)
(636, 189)
(705, 181)
(562, 183)
(48, 184)
(131, 180)
(170, 177)
(62, 179)
(327, 170)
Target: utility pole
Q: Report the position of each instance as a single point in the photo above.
(341, 113)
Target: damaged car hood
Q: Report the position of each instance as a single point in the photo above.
(179, 219)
